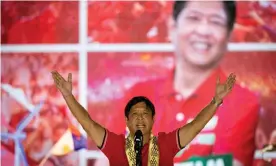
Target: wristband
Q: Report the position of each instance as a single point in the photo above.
(216, 102)
(65, 96)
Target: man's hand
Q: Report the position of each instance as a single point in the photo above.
(65, 87)
(223, 89)
(93, 129)
(188, 132)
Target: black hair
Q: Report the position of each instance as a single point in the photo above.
(138, 99)
(229, 7)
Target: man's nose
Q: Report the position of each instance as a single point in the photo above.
(203, 28)
(140, 116)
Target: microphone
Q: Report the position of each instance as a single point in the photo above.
(138, 141)
(138, 144)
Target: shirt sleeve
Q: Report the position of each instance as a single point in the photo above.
(110, 143)
(170, 142)
(237, 137)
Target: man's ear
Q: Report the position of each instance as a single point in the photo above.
(126, 119)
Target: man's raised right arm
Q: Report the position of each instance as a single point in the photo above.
(92, 128)
(95, 131)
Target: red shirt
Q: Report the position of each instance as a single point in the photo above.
(225, 133)
(114, 149)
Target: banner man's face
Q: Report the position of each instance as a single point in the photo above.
(200, 33)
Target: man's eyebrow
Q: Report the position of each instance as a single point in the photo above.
(148, 110)
(218, 16)
(193, 11)
(215, 15)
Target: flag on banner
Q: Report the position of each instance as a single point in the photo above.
(71, 140)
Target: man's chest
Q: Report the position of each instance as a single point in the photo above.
(120, 157)
(176, 112)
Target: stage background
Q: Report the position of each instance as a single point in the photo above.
(109, 48)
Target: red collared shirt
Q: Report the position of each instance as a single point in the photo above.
(114, 149)
(231, 130)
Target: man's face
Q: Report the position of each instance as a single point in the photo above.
(200, 33)
(140, 118)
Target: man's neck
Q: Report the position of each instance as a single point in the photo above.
(188, 78)
(146, 139)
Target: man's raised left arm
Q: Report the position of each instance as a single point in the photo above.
(189, 131)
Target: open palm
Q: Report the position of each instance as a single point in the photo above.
(222, 89)
(65, 87)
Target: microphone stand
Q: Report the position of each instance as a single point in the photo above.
(138, 157)
(138, 144)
